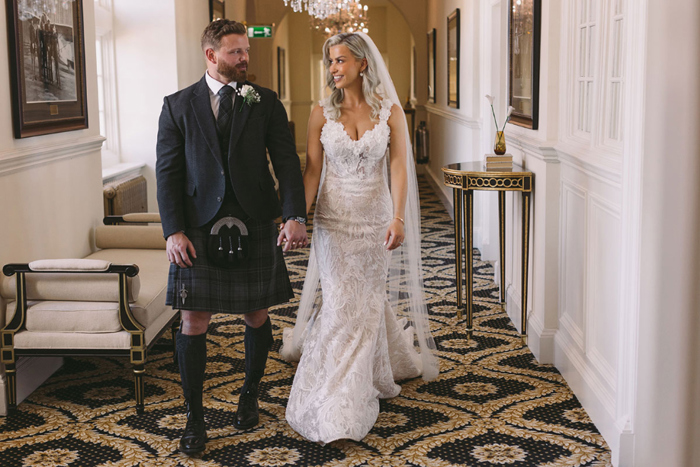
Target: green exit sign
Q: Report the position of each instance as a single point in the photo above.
(259, 31)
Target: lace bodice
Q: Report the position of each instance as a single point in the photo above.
(362, 158)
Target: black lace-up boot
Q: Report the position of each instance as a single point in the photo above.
(192, 358)
(258, 342)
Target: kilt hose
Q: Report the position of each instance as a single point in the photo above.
(260, 283)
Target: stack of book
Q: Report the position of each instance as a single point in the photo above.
(504, 162)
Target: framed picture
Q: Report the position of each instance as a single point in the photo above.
(47, 66)
(453, 59)
(524, 22)
(414, 75)
(432, 36)
(281, 73)
(217, 9)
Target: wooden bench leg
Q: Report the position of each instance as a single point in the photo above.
(139, 370)
(11, 373)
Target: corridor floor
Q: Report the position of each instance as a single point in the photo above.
(493, 404)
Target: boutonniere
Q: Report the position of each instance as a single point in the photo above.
(249, 95)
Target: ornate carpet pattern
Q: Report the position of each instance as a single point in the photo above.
(493, 404)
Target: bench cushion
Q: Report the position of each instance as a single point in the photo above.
(71, 286)
(53, 316)
(148, 237)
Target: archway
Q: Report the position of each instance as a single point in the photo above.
(396, 27)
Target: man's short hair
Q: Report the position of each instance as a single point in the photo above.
(211, 37)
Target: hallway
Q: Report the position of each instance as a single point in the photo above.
(611, 371)
(493, 404)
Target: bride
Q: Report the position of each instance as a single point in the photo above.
(365, 254)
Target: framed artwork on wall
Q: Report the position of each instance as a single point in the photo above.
(453, 59)
(432, 36)
(47, 67)
(281, 73)
(524, 25)
(217, 9)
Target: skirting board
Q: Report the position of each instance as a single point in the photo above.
(539, 340)
(31, 373)
(597, 402)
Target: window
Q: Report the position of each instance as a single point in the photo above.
(106, 89)
(585, 75)
(615, 82)
(596, 74)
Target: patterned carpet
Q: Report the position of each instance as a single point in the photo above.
(493, 404)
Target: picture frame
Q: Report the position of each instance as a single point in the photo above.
(217, 10)
(414, 71)
(281, 73)
(432, 68)
(453, 53)
(524, 30)
(47, 67)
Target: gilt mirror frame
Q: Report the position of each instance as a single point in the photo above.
(453, 54)
(432, 68)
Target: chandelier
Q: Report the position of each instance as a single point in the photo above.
(319, 8)
(353, 18)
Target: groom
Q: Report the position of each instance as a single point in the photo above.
(212, 163)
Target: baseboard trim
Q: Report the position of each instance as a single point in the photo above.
(598, 401)
(31, 373)
(541, 340)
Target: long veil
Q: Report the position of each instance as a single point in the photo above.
(405, 281)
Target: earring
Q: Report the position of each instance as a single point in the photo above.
(362, 74)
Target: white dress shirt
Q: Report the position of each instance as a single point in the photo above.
(214, 88)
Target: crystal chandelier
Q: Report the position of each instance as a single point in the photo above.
(353, 18)
(319, 8)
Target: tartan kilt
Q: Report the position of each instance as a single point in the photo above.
(260, 283)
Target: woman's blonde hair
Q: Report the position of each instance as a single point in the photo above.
(359, 49)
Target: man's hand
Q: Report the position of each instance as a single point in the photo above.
(178, 246)
(293, 234)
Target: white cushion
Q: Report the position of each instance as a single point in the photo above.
(130, 237)
(69, 265)
(71, 286)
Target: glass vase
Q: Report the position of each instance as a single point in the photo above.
(500, 145)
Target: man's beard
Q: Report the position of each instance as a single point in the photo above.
(231, 73)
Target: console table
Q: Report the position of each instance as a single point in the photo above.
(464, 178)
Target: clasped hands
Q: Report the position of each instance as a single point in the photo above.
(293, 235)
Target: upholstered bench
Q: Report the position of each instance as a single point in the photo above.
(111, 303)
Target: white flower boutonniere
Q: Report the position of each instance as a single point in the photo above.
(249, 95)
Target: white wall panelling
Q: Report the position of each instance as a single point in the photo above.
(573, 262)
(603, 285)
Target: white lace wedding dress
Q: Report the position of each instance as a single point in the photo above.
(356, 348)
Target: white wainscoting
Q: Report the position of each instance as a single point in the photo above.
(586, 349)
(572, 317)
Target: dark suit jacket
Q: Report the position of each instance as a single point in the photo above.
(189, 169)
